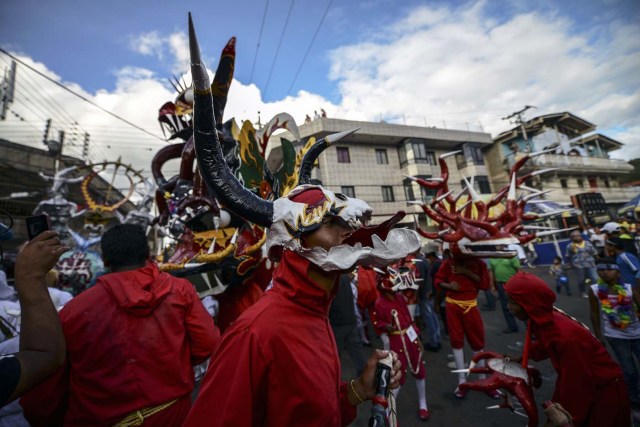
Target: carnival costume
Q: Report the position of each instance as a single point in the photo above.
(590, 384)
(138, 360)
(475, 230)
(391, 317)
(278, 363)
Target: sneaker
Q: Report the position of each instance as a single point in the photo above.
(424, 414)
(494, 394)
(460, 394)
(584, 295)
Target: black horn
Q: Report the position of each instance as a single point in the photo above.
(213, 168)
(304, 176)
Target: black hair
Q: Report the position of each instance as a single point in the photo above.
(125, 245)
(605, 261)
(433, 254)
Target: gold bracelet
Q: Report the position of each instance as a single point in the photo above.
(355, 392)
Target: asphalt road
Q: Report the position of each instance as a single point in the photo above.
(446, 409)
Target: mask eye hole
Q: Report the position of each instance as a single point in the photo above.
(342, 197)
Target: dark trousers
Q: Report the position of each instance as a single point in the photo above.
(508, 317)
(347, 338)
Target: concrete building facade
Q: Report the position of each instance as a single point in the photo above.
(581, 156)
(371, 164)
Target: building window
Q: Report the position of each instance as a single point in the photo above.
(482, 184)
(476, 155)
(427, 194)
(593, 182)
(387, 194)
(343, 154)
(402, 154)
(461, 161)
(606, 183)
(407, 184)
(421, 155)
(348, 190)
(563, 183)
(580, 183)
(381, 156)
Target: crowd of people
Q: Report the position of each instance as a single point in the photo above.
(133, 339)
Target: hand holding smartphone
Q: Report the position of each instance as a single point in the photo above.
(37, 224)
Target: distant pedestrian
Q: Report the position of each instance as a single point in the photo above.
(628, 263)
(613, 315)
(613, 229)
(597, 240)
(581, 254)
(315, 115)
(557, 270)
(500, 271)
(307, 119)
(323, 113)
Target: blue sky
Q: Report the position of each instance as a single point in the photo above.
(457, 63)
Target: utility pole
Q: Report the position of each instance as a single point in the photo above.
(518, 119)
(47, 127)
(7, 89)
(85, 148)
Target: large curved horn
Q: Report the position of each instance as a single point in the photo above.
(223, 78)
(213, 167)
(310, 156)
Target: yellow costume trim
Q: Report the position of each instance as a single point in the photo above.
(136, 418)
(466, 305)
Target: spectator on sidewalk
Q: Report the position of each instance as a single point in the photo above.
(613, 315)
(500, 271)
(628, 263)
(581, 254)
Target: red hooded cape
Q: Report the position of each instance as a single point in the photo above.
(131, 342)
(589, 383)
(278, 364)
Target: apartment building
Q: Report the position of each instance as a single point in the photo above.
(371, 164)
(581, 156)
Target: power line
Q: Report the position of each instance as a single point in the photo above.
(313, 39)
(255, 57)
(80, 96)
(273, 64)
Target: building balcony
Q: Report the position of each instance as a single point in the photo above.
(572, 163)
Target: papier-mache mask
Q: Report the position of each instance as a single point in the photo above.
(304, 208)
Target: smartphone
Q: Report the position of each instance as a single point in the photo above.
(37, 224)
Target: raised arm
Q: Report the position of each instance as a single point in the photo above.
(42, 346)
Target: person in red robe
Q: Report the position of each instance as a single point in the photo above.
(278, 364)
(462, 279)
(132, 341)
(391, 317)
(590, 384)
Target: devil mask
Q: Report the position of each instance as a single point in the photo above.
(304, 208)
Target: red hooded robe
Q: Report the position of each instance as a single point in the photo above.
(278, 364)
(590, 384)
(131, 342)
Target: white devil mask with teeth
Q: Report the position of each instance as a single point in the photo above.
(288, 218)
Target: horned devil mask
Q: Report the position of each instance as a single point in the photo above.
(290, 217)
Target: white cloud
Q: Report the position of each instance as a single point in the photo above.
(453, 68)
(149, 44)
(460, 66)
